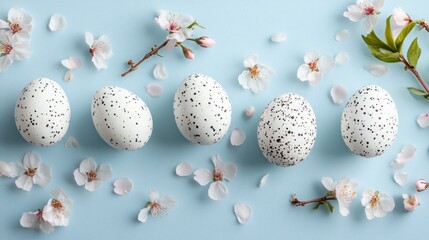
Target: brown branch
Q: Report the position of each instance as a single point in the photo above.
(133, 66)
(321, 200)
(414, 71)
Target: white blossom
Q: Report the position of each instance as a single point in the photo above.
(90, 175)
(256, 75)
(314, 67)
(156, 205)
(19, 23)
(176, 24)
(12, 49)
(367, 10)
(58, 209)
(345, 192)
(376, 204)
(31, 171)
(99, 49)
(35, 220)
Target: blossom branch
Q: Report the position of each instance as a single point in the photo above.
(322, 200)
(414, 71)
(154, 51)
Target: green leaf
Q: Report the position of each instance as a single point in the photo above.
(417, 92)
(414, 53)
(403, 34)
(373, 41)
(330, 207)
(389, 35)
(385, 55)
(316, 206)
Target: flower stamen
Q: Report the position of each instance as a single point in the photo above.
(254, 71)
(217, 176)
(313, 65)
(374, 200)
(30, 172)
(92, 176)
(56, 204)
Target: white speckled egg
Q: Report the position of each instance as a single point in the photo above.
(121, 118)
(42, 112)
(369, 123)
(202, 109)
(287, 130)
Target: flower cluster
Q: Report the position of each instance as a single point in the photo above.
(56, 213)
(14, 37)
(31, 171)
(180, 28)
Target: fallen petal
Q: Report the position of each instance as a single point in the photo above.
(68, 76)
(279, 37)
(423, 120)
(338, 94)
(71, 62)
(396, 165)
(57, 23)
(342, 35)
(237, 137)
(400, 177)
(160, 72)
(342, 58)
(377, 70)
(243, 212)
(72, 143)
(406, 154)
(263, 180)
(122, 186)
(250, 111)
(184, 169)
(154, 89)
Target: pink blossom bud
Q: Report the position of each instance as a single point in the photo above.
(410, 202)
(421, 185)
(206, 42)
(188, 53)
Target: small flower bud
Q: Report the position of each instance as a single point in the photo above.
(188, 53)
(421, 185)
(205, 42)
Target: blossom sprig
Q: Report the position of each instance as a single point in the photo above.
(391, 49)
(342, 191)
(180, 29)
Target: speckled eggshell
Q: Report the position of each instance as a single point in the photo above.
(287, 130)
(369, 123)
(202, 109)
(121, 118)
(42, 112)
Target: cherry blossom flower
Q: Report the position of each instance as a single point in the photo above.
(35, 220)
(365, 9)
(410, 202)
(344, 192)
(256, 76)
(176, 24)
(223, 171)
(19, 23)
(376, 204)
(58, 209)
(314, 67)
(399, 19)
(421, 185)
(31, 171)
(99, 49)
(156, 205)
(90, 175)
(12, 49)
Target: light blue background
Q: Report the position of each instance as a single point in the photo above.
(240, 28)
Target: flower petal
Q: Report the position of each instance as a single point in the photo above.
(99, 62)
(251, 110)
(377, 70)
(104, 172)
(386, 202)
(338, 93)
(263, 180)
(68, 76)
(29, 220)
(328, 183)
(154, 89)
(56, 23)
(314, 78)
(302, 72)
(326, 63)
(89, 39)
(88, 165)
(396, 165)
(244, 79)
(160, 72)
(72, 143)
(341, 58)
(243, 212)
(229, 170)
(43, 175)
(203, 176)
(24, 182)
(142, 217)
(311, 56)
(279, 37)
(80, 178)
(423, 120)
(71, 62)
(400, 177)
(237, 137)
(342, 35)
(46, 227)
(122, 186)
(5, 169)
(153, 195)
(406, 154)
(31, 160)
(5, 62)
(93, 185)
(184, 169)
(218, 190)
(168, 202)
(251, 61)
